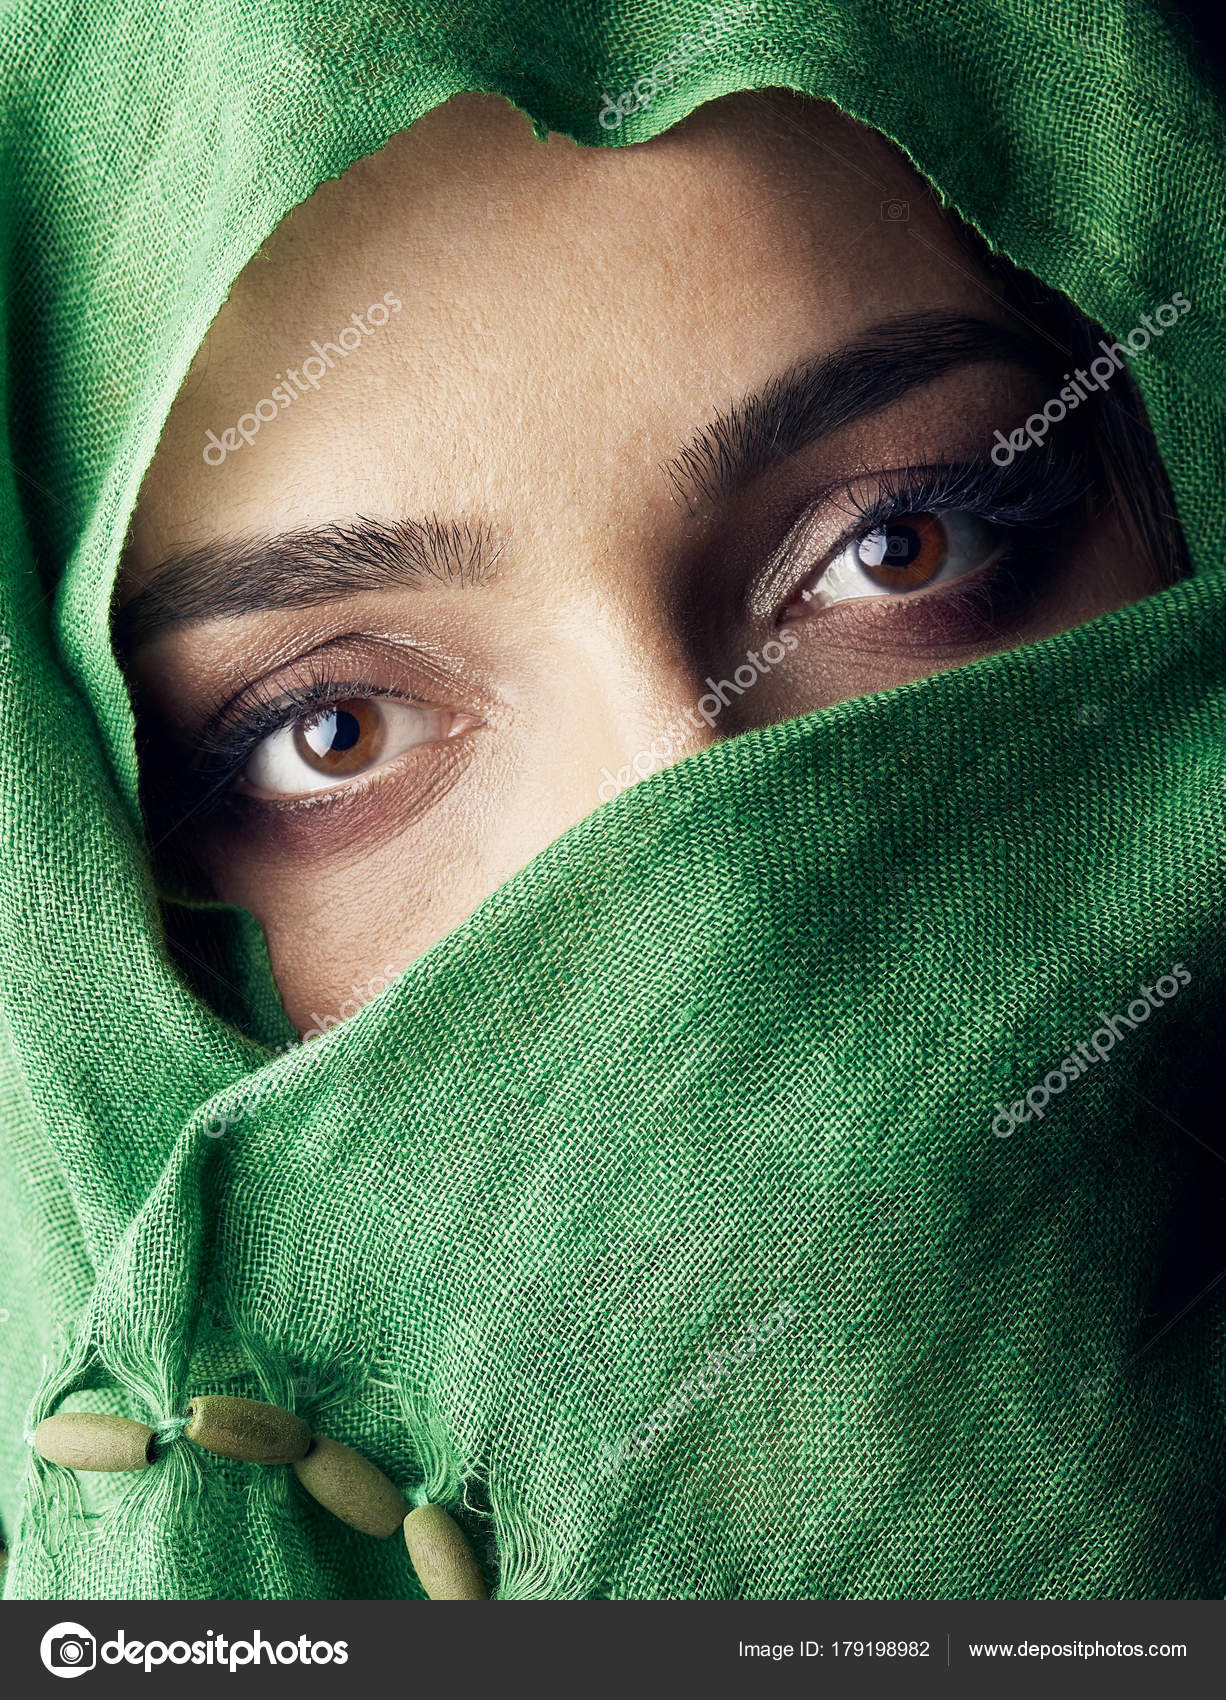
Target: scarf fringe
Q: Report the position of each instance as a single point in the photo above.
(171, 1488)
(152, 1373)
(530, 1566)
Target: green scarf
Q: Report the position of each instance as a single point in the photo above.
(658, 1221)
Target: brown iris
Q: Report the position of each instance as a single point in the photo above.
(912, 551)
(344, 738)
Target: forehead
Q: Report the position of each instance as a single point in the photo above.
(549, 321)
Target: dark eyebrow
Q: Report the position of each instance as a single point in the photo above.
(823, 393)
(299, 569)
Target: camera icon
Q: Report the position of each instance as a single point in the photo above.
(896, 212)
(68, 1649)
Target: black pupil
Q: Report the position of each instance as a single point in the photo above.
(341, 730)
(902, 545)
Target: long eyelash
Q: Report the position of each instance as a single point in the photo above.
(1034, 491)
(226, 742)
(203, 786)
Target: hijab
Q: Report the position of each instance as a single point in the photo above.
(702, 1217)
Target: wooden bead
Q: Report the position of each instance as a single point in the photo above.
(87, 1440)
(446, 1565)
(351, 1487)
(246, 1429)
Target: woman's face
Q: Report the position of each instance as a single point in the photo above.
(511, 472)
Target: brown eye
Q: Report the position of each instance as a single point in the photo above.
(329, 746)
(906, 554)
(342, 740)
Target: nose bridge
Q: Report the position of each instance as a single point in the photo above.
(635, 674)
(652, 705)
(678, 727)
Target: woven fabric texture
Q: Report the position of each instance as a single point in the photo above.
(654, 1221)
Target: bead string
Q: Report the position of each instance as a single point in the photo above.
(168, 1430)
(249, 1431)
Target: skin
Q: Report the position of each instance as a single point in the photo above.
(569, 318)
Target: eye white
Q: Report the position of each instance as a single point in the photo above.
(276, 765)
(970, 542)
